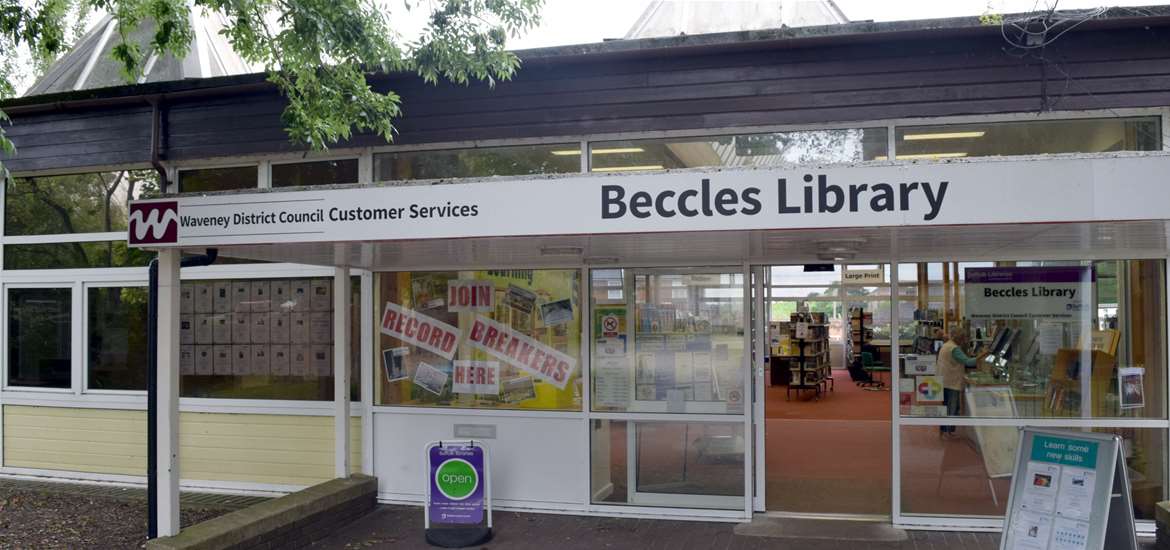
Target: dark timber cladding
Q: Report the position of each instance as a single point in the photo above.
(873, 76)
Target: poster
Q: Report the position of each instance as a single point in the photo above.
(221, 328)
(322, 295)
(474, 295)
(187, 298)
(394, 363)
(476, 377)
(203, 300)
(320, 361)
(929, 389)
(520, 299)
(203, 329)
(280, 360)
(1056, 293)
(186, 329)
(610, 322)
(241, 327)
(612, 382)
(1070, 535)
(278, 330)
(241, 359)
(299, 328)
(260, 332)
(241, 296)
(518, 390)
(429, 378)
(1030, 531)
(521, 351)
(187, 360)
(1131, 387)
(557, 313)
(221, 360)
(298, 299)
(221, 296)
(261, 362)
(261, 298)
(299, 360)
(1075, 497)
(611, 347)
(420, 330)
(920, 365)
(1040, 481)
(203, 360)
(321, 327)
(1049, 337)
(280, 295)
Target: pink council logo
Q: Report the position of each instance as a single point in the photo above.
(155, 222)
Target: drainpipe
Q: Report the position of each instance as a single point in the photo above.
(152, 385)
(156, 141)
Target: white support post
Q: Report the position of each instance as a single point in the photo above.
(342, 289)
(168, 392)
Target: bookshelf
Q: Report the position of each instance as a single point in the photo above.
(805, 357)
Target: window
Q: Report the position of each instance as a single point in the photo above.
(506, 339)
(39, 337)
(325, 172)
(774, 149)
(519, 160)
(1080, 339)
(116, 339)
(76, 255)
(78, 203)
(673, 344)
(261, 338)
(1029, 138)
(203, 180)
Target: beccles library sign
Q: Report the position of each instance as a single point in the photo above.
(975, 192)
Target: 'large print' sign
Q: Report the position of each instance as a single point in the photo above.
(522, 352)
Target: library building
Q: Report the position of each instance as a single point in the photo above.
(820, 271)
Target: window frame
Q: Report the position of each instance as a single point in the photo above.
(74, 340)
(85, 326)
(267, 166)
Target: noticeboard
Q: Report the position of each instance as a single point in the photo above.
(1070, 491)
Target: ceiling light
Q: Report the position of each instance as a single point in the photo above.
(836, 257)
(944, 135)
(561, 250)
(603, 151)
(630, 168)
(931, 156)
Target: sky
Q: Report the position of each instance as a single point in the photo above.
(583, 21)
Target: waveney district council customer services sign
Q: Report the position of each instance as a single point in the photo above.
(976, 192)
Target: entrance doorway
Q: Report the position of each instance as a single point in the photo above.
(827, 431)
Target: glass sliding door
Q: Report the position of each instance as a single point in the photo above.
(669, 388)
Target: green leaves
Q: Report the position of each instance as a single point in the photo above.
(321, 54)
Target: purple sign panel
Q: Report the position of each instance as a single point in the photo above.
(1046, 274)
(457, 477)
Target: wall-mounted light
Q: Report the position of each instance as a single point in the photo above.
(601, 151)
(561, 250)
(944, 135)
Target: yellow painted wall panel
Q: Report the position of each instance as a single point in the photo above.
(251, 448)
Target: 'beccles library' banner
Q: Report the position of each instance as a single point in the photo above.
(954, 193)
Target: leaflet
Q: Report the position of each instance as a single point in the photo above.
(261, 365)
(279, 362)
(321, 362)
(321, 327)
(322, 295)
(222, 360)
(260, 333)
(202, 297)
(186, 329)
(221, 328)
(1076, 493)
(299, 364)
(1040, 487)
(186, 360)
(260, 295)
(203, 361)
(241, 359)
(1070, 535)
(222, 299)
(1030, 531)
(278, 332)
(241, 328)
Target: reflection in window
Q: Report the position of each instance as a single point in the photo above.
(519, 160)
(1031, 349)
(1036, 137)
(505, 339)
(677, 464)
(74, 255)
(117, 338)
(325, 172)
(775, 149)
(204, 180)
(78, 203)
(39, 329)
(262, 339)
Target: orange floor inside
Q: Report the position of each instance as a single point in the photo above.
(832, 455)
